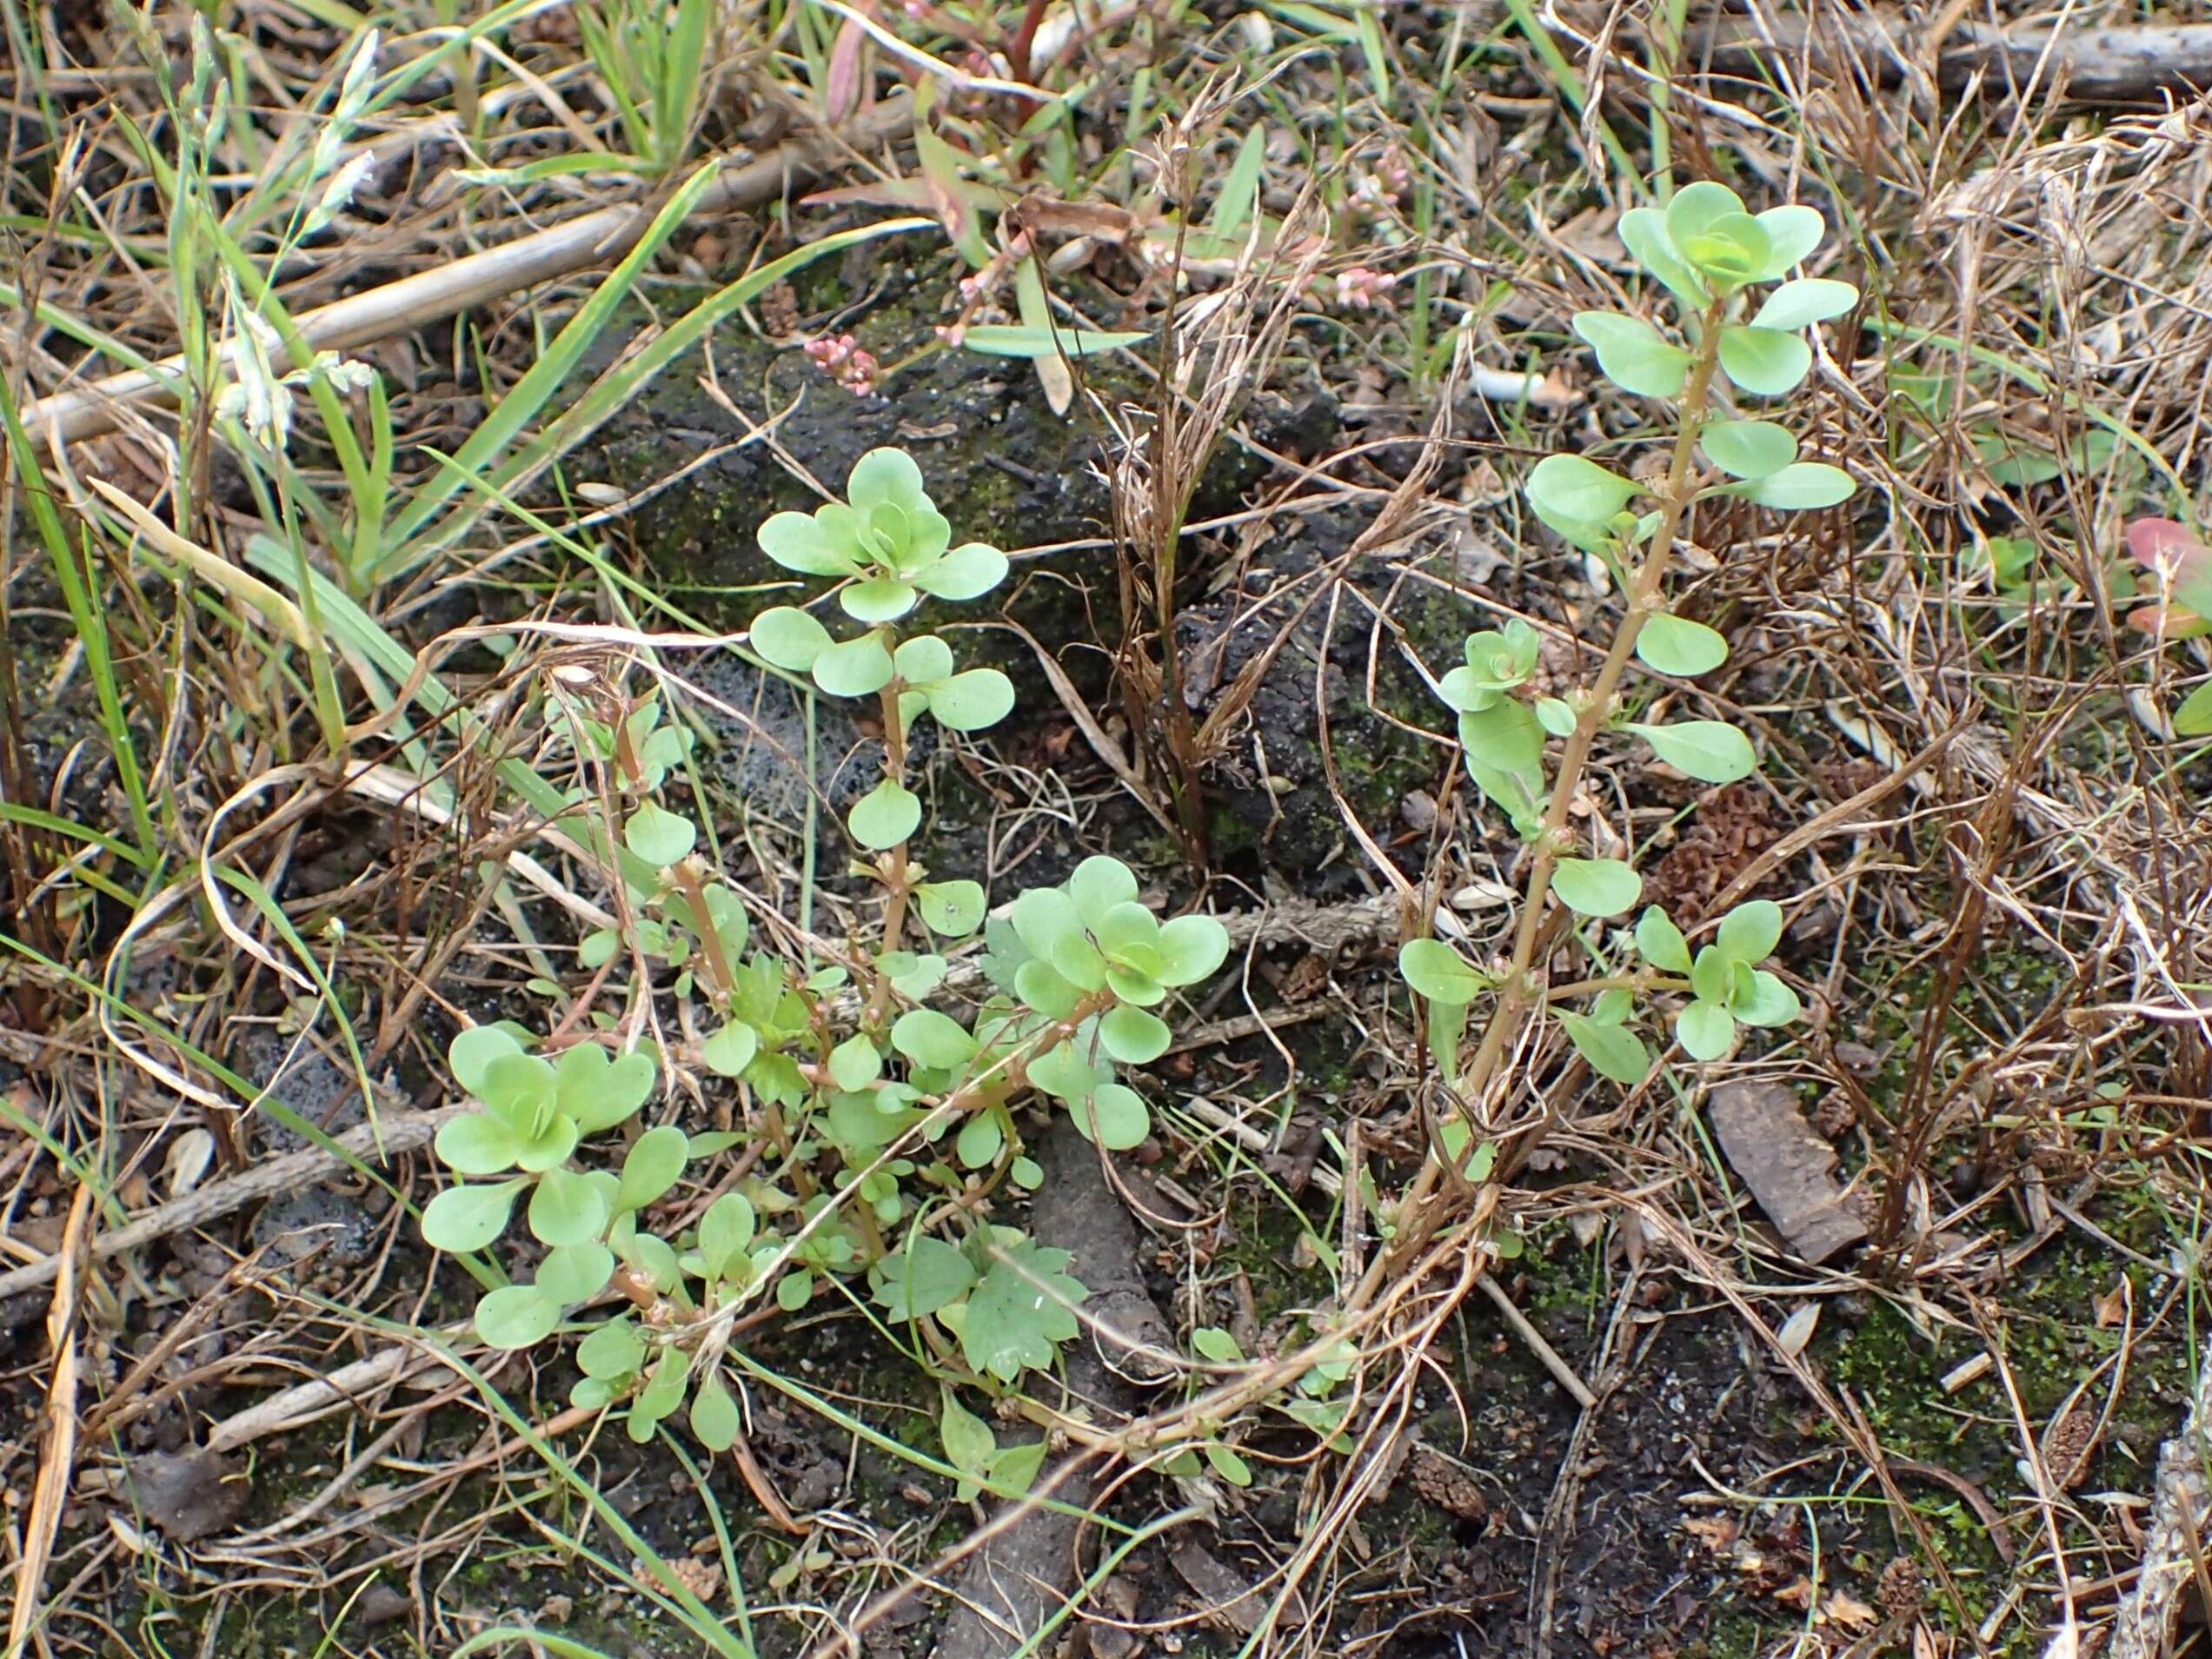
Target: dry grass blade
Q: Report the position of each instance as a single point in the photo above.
(1216, 351)
(58, 1445)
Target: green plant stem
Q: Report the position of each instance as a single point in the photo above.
(1521, 991)
(896, 880)
(1615, 982)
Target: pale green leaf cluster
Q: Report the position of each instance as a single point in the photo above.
(1707, 250)
(886, 542)
(867, 1103)
(1727, 986)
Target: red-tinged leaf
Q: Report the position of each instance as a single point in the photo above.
(2181, 565)
(2166, 546)
(841, 90)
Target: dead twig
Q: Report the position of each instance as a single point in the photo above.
(386, 1138)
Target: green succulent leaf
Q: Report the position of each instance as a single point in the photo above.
(1766, 362)
(654, 1258)
(1697, 206)
(725, 1233)
(857, 667)
(1042, 988)
(967, 571)
(600, 1094)
(519, 1090)
(615, 1350)
(1132, 1036)
(1579, 498)
(1643, 233)
(972, 700)
(467, 1217)
(1705, 1030)
(1439, 973)
(788, 637)
(659, 836)
(1712, 975)
(1505, 737)
(1806, 301)
(1634, 355)
(567, 1208)
(1063, 1072)
(1767, 1001)
(1802, 486)
(1596, 886)
(1115, 1117)
(1710, 750)
(876, 600)
(1191, 948)
(661, 1396)
(730, 1050)
(855, 1063)
(887, 815)
(977, 1145)
(1612, 1050)
(715, 1421)
(928, 1037)
(923, 660)
(478, 1143)
(1730, 250)
(575, 1273)
(1748, 449)
(1099, 885)
(819, 544)
(1674, 645)
(887, 477)
(1660, 942)
(951, 908)
(1792, 233)
(1556, 715)
(653, 1164)
(472, 1053)
(1749, 932)
(517, 1316)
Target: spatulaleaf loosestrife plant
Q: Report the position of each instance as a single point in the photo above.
(876, 1126)
(1740, 321)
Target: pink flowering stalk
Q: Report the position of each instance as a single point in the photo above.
(1361, 288)
(847, 361)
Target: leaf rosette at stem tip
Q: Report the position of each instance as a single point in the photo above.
(886, 540)
(1727, 986)
(1094, 935)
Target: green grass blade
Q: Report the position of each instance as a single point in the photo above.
(89, 620)
(529, 395)
(611, 391)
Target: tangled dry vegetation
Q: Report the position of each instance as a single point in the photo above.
(380, 376)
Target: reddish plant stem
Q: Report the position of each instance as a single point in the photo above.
(1522, 990)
